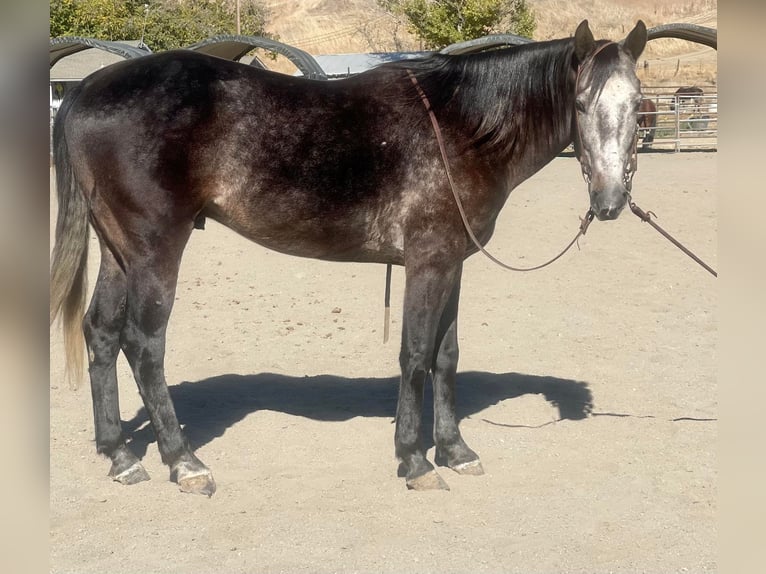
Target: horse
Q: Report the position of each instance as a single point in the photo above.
(688, 98)
(647, 122)
(342, 170)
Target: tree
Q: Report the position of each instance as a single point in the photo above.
(163, 24)
(102, 19)
(442, 22)
(184, 22)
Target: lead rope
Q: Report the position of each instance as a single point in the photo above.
(584, 222)
(646, 216)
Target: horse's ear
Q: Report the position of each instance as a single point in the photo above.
(636, 40)
(584, 41)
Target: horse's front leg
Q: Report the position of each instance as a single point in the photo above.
(431, 275)
(451, 449)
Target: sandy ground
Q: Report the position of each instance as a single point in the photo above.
(588, 389)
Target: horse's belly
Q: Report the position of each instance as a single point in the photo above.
(336, 236)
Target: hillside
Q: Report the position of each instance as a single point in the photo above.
(344, 26)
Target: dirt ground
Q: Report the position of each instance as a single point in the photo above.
(588, 389)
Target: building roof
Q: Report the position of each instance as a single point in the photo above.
(343, 65)
(73, 58)
(234, 47)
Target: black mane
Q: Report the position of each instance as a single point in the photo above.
(492, 91)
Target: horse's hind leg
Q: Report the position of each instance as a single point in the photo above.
(151, 292)
(102, 326)
(451, 449)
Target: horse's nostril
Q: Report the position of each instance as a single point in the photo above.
(608, 213)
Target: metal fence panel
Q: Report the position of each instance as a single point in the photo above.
(685, 122)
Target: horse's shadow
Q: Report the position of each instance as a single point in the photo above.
(208, 407)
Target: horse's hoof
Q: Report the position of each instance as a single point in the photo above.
(194, 478)
(199, 484)
(428, 481)
(131, 475)
(472, 467)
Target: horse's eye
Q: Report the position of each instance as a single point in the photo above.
(580, 106)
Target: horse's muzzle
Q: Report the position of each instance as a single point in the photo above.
(608, 204)
(607, 213)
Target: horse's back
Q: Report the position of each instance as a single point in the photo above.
(154, 93)
(273, 156)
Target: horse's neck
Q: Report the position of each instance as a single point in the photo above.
(535, 123)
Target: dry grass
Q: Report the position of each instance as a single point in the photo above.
(345, 26)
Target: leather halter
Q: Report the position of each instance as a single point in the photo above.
(627, 178)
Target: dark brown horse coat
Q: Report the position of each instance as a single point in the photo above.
(345, 170)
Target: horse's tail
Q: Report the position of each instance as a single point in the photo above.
(68, 282)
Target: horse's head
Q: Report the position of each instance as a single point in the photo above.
(691, 95)
(607, 97)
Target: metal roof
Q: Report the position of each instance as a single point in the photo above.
(233, 47)
(485, 43)
(342, 65)
(690, 32)
(681, 31)
(74, 57)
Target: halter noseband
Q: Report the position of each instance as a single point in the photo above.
(627, 177)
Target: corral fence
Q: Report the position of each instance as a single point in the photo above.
(684, 122)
